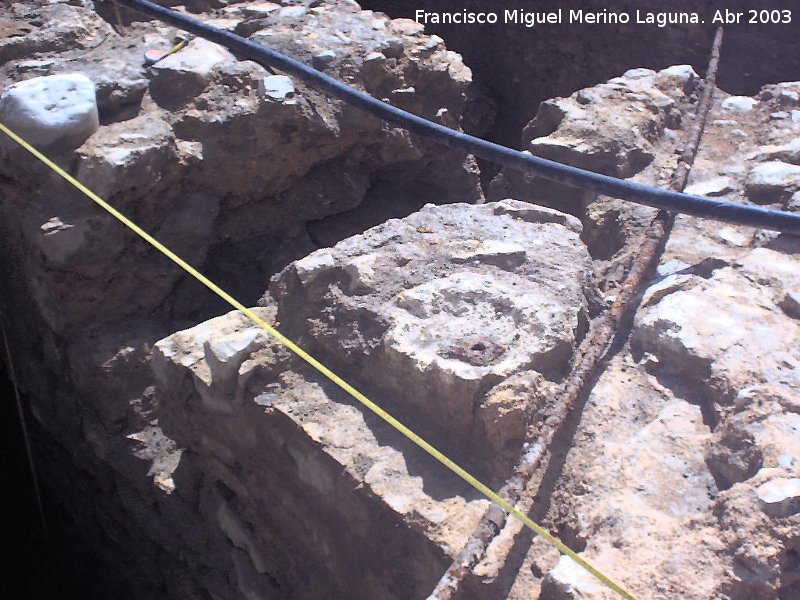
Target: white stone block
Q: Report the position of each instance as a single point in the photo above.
(53, 111)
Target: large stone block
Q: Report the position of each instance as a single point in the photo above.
(436, 309)
(57, 111)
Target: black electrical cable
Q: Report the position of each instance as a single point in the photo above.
(699, 206)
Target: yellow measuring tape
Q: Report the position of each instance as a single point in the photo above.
(455, 468)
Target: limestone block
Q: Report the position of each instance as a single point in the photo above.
(56, 111)
(119, 78)
(126, 155)
(282, 462)
(439, 307)
(185, 74)
(584, 131)
(727, 331)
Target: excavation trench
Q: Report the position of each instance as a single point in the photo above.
(85, 354)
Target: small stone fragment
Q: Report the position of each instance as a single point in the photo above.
(794, 203)
(671, 266)
(185, 74)
(62, 240)
(780, 497)
(313, 265)
(259, 9)
(276, 87)
(716, 186)
(291, 13)
(678, 76)
(739, 104)
(733, 237)
(324, 58)
(638, 73)
(789, 97)
(532, 213)
(668, 285)
(569, 581)
(400, 92)
(789, 152)
(769, 181)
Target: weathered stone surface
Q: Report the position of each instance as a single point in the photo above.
(276, 165)
(717, 186)
(629, 127)
(569, 581)
(255, 400)
(127, 155)
(578, 130)
(181, 76)
(49, 27)
(424, 306)
(276, 87)
(789, 152)
(726, 324)
(119, 79)
(59, 111)
(681, 77)
(771, 181)
(780, 496)
(668, 458)
(688, 422)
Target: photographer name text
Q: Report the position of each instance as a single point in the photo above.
(604, 17)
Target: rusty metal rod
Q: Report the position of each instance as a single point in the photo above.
(589, 354)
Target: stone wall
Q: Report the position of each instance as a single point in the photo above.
(207, 462)
(237, 169)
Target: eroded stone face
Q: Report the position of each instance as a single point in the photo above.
(180, 77)
(580, 130)
(437, 308)
(727, 332)
(56, 111)
(336, 474)
(229, 177)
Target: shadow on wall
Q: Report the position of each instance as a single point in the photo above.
(523, 66)
(40, 567)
